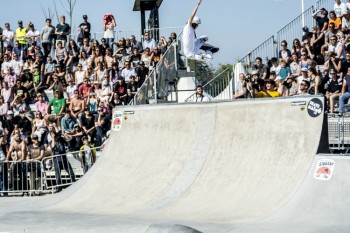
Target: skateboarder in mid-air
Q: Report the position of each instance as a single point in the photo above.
(191, 44)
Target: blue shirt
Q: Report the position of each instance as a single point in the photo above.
(68, 124)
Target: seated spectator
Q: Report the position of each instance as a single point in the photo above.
(97, 57)
(109, 59)
(345, 92)
(317, 41)
(308, 49)
(79, 75)
(4, 107)
(25, 123)
(77, 106)
(59, 107)
(327, 38)
(88, 125)
(270, 90)
(135, 43)
(334, 19)
(120, 88)
(315, 82)
(100, 72)
(85, 89)
(56, 85)
(90, 74)
(345, 25)
(241, 87)
(284, 71)
(274, 66)
(322, 21)
(135, 58)
(10, 77)
(148, 42)
(18, 105)
(141, 73)
(87, 155)
(61, 55)
(105, 93)
(333, 63)
(295, 66)
(17, 65)
(84, 60)
(291, 87)
(307, 35)
(18, 89)
(156, 56)
(304, 87)
(73, 55)
(261, 68)
(340, 9)
(9, 124)
(284, 54)
(128, 71)
(146, 57)
(114, 74)
(304, 76)
(334, 86)
(39, 126)
(296, 47)
(199, 95)
(7, 93)
(115, 100)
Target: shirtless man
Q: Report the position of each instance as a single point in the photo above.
(97, 57)
(109, 59)
(17, 153)
(77, 106)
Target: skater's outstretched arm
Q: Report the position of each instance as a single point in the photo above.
(194, 12)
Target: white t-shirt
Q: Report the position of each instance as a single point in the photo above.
(127, 73)
(109, 33)
(340, 9)
(70, 90)
(16, 66)
(8, 34)
(151, 43)
(188, 41)
(35, 33)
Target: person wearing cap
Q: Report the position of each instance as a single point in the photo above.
(7, 36)
(192, 44)
(87, 154)
(62, 30)
(303, 76)
(33, 34)
(84, 30)
(334, 88)
(20, 34)
(322, 21)
(141, 73)
(46, 37)
(306, 34)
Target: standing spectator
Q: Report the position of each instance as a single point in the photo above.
(35, 155)
(87, 155)
(7, 36)
(62, 30)
(84, 30)
(109, 24)
(172, 38)
(60, 160)
(148, 41)
(345, 92)
(20, 50)
(334, 89)
(33, 35)
(21, 35)
(46, 37)
(102, 124)
(322, 21)
(340, 8)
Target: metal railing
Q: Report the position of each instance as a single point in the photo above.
(217, 88)
(270, 47)
(45, 176)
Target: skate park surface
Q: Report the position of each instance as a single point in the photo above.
(244, 166)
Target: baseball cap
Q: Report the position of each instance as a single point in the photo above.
(9, 112)
(332, 71)
(85, 17)
(35, 137)
(304, 69)
(20, 22)
(273, 72)
(305, 29)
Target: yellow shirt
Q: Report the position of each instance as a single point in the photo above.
(262, 94)
(21, 36)
(337, 22)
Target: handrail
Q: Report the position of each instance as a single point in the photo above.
(208, 83)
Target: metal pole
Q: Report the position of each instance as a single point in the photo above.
(302, 12)
(155, 84)
(229, 86)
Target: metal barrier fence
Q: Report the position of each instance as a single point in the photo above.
(292, 30)
(48, 175)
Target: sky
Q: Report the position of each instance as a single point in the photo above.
(235, 26)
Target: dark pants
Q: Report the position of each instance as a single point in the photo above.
(18, 173)
(100, 133)
(47, 48)
(61, 163)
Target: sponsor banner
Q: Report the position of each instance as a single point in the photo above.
(129, 112)
(117, 120)
(324, 169)
(315, 107)
(298, 103)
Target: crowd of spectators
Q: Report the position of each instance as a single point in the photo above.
(316, 63)
(55, 86)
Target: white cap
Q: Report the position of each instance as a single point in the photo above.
(9, 112)
(196, 20)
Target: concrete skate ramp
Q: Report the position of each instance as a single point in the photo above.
(211, 167)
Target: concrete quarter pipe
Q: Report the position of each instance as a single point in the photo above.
(245, 166)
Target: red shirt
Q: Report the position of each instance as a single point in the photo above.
(85, 90)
